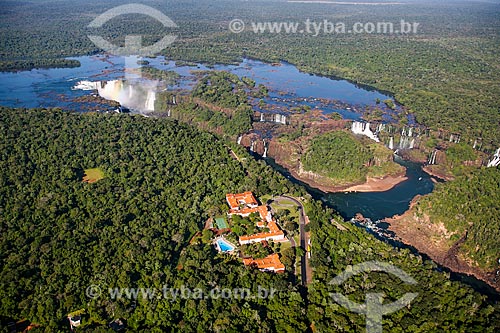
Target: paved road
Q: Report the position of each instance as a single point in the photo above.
(304, 260)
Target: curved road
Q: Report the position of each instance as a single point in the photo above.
(304, 260)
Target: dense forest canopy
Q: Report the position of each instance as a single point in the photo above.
(338, 155)
(469, 207)
(134, 228)
(345, 158)
(218, 103)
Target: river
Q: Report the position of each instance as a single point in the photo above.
(58, 87)
(373, 205)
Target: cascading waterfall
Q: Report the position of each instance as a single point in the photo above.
(265, 149)
(404, 142)
(495, 161)
(86, 85)
(363, 129)
(281, 119)
(252, 146)
(239, 140)
(150, 101)
(380, 128)
(432, 158)
(475, 144)
(168, 114)
(129, 94)
(111, 89)
(261, 117)
(391, 143)
(455, 138)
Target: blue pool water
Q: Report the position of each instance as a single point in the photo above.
(225, 246)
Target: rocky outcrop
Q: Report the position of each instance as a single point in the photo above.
(434, 240)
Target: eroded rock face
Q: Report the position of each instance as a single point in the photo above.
(281, 152)
(433, 240)
(254, 142)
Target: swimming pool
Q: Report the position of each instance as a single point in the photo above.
(224, 246)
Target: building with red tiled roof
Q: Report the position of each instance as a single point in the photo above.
(241, 200)
(244, 204)
(264, 213)
(270, 263)
(274, 234)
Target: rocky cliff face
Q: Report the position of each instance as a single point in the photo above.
(434, 240)
(253, 142)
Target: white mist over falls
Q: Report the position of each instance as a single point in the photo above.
(135, 96)
(364, 129)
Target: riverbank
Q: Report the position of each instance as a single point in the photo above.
(377, 184)
(371, 185)
(434, 172)
(433, 240)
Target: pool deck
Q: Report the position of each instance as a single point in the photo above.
(217, 246)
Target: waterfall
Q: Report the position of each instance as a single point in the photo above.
(407, 142)
(455, 138)
(432, 158)
(173, 100)
(495, 161)
(168, 114)
(363, 129)
(128, 94)
(475, 144)
(150, 101)
(281, 119)
(404, 143)
(239, 140)
(261, 117)
(380, 128)
(265, 149)
(357, 127)
(391, 143)
(111, 89)
(86, 85)
(252, 145)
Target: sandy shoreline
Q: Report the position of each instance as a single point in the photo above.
(377, 184)
(371, 185)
